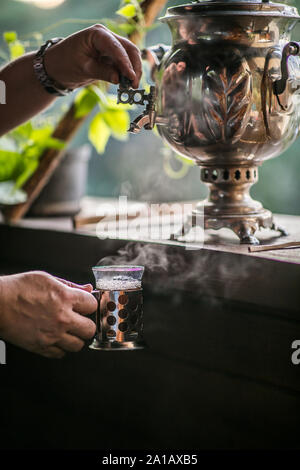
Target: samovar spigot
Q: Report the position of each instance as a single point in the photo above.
(146, 120)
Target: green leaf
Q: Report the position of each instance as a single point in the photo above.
(127, 28)
(31, 152)
(23, 131)
(118, 123)
(31, 166)
(31, 142)
(99, 133)
(9, 194)
(16, 50)
(123, 29)
(85, 102)
(54, 143)
(114, 26)
(10, 36)
(9, 164)
(40, 135)
(100, 93)
(128, 11)
(111, 104)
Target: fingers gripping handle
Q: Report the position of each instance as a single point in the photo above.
(97, 295)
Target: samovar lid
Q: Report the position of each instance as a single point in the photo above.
(232, 7)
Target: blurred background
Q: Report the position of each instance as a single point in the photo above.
(142, 168)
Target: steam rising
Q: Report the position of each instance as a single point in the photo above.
(173, 267)
(154, 258)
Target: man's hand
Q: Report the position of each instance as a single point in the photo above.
(44, 314)
(93, 54)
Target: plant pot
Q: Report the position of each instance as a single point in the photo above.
(61, 196)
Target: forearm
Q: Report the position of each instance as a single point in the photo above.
(25, 96)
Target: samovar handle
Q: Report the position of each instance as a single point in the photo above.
(279, 86)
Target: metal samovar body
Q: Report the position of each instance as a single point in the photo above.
(226, 97)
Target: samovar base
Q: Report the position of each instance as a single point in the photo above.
(243, 226)
(230, 205)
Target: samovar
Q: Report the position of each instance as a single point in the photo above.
(226, 97)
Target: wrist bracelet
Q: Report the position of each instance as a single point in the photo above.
(50, 85)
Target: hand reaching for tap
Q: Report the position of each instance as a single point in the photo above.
(44, 314)
(91, 54)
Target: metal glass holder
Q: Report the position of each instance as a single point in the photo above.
(119, 320)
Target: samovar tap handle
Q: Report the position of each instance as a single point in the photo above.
(127, 95)
(291, 48)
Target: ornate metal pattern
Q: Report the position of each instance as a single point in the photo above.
(226, 103)
(119, 320)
